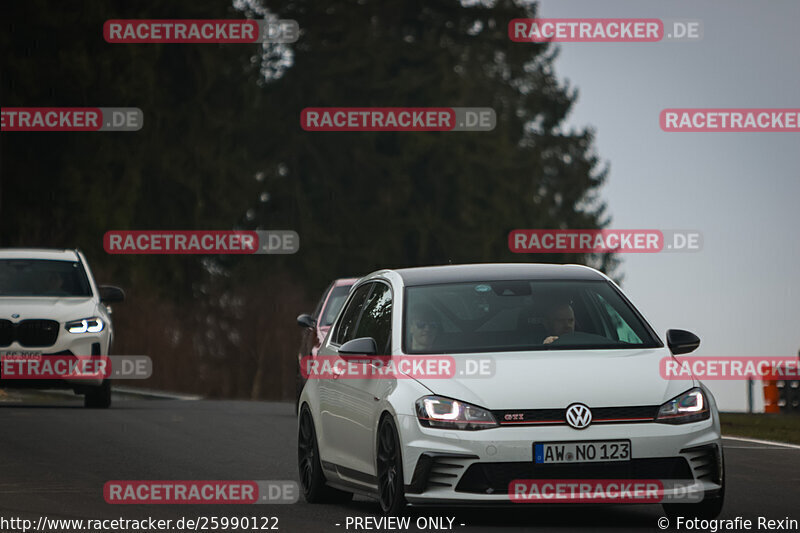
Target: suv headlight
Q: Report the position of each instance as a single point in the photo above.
(446, 413)
(691, 406)
(86, 325)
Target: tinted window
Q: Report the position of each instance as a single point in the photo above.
(376, 319)
(520, 315)
(42, 277)
(335, 302)
(349, 317)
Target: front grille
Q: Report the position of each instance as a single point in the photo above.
(490, 478)
(35, 333)
(645, 413)
(600, 415)
(6, 332)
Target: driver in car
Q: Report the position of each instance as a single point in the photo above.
(560, 320)
(53, 284)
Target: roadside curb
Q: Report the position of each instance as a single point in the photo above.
(149, 393)
(760, 441)
(127, 391)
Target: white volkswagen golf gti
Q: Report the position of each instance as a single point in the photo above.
(51, 306)
(571, 390)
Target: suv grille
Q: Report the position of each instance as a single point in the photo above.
(35, 333)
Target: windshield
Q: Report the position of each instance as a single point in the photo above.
(335, 303)
(494, 316)
(42, 277)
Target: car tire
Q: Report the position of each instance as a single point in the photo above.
(391, 492)
(312, 480)
(98, 397)
(298, 389)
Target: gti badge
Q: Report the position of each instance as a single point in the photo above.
(579, 416)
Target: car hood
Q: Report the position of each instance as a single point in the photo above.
(555, 379)
(60, 309)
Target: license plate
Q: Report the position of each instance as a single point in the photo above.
(582, 452)
(20, 354)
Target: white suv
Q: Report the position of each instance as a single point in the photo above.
(50, 305)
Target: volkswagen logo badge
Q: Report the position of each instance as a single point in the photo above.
(579, 416)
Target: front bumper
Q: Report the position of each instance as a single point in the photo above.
(66, 344)
(451, 467)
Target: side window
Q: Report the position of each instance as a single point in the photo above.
(376, 320)
(319, 304)
(347, 323)
(334, 304)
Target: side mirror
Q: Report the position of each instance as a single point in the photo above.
(362, 346)
(110, 294)
(305, 321)
(680, 341)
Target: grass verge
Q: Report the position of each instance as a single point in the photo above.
(777, 427)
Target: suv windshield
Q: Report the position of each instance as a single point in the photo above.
(494, 316)
(42, 277)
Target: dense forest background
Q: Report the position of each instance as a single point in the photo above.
(222, 148)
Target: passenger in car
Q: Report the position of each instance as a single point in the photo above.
(425, 327)
(559, 320)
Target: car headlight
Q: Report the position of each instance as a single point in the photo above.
(690, 406)
(86, 325)
(446, 413)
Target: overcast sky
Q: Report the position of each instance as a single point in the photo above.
(740, 190)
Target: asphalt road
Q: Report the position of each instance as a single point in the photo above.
(55, 458)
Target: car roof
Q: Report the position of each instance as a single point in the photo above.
(495, 272)
(58, 254)
(344, 281)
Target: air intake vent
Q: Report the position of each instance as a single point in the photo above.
(438, 470)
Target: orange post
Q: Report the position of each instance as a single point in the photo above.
(771, 396)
